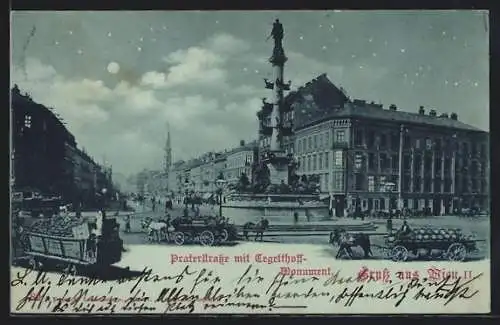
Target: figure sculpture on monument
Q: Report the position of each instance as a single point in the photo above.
(277, 32)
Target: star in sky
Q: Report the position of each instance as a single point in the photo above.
(403, 50)
(370, 40)
(79, 52)
(70, 32)
(446, 82)
(141, 39)
(443, 33)
(301, 37)
(332, 26)
(320, 26)
(164, 27)
(353, 56)
(456, 84)
(476, 84)
(323, 47)
(56, 42)
(374, 54)
(245, 69)
(256, 71)
(139, 48)
(109, 34)
(216, 21)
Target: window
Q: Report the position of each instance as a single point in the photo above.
(358, 182)
(320, 161)
(338, 181)
(371, 139)
(340, 136)
(309, 163)
(27, 121)
(394, 141)
(358, 137)
(428, 144)
(395, 162)
(371, 183)
(314, 162)
(417, 144)
(298, 145)
(383, 141)
(338, 158)
(326, 159)
(327, 139)
(371, 160)
(381, 183)
(315, 141)
(309, 140)
(383, 161)
(321, 140)
(358, 160)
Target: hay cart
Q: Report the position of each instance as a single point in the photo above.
(73, 244)
(449, 244)
(207, 232)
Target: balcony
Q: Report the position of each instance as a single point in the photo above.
(340, 145)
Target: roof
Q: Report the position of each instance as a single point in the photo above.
(368, 111)
(246, 147)
(320, 100)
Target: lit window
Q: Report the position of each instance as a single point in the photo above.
(340, 136)
(27, 121)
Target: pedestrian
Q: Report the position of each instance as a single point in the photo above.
(389, 225)
(295, 217)
(308, 216)
(127, 223)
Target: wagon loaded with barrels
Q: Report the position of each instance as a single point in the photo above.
(449, 244)
(73, 243)
(206, 231)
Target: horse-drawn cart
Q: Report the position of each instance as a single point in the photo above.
(72, 243)
(450, 244)
(207, 232)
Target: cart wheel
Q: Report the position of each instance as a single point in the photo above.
(179, 238)
(207, 238)
(399, 253)
(224, 235)
(456, 252)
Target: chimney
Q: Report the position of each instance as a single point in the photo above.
(454, 116)
(421, 110)
(242, 143)
(444, 115)
(393, 107)
(432, 113)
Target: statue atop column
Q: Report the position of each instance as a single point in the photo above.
(277, 33)
(278, 51)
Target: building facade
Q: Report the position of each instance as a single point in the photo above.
(239, 161)
(46, 158)
(370, 158)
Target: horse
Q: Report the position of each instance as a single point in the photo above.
(348, 240)
(258, 227)
(155, 230)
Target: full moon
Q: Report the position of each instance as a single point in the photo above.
(113, 67)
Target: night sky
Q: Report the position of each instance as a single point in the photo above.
(118, 78)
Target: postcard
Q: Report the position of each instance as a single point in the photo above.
(233, 162)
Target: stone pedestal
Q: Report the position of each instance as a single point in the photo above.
(278, 173)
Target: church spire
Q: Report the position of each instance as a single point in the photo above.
(168, 152)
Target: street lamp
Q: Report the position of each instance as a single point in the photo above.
(219, 183)
(104, 191)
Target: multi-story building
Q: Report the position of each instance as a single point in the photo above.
(373, 158)
(239, 161)
(40, 144)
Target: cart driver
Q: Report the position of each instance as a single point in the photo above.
(405, 229)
